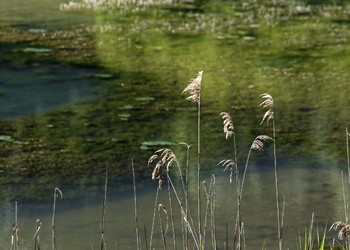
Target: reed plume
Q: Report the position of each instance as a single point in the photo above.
(194, 88)
(228, 124)
(163, 159)
(232, 166)
(194, 92)
(269, 115)
(342, 228)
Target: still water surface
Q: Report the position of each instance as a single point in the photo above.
(245, 49)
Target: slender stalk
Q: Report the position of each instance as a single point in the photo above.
(344, 198)
(198, 174)
(172, 217)
(186, 194)
(36, 235)
(213, 222)
(226, 235)
(163, 231)
(145, 232)
(57, 192)
(153, 219)
(193, 233)
(208, 194)
(347, 150)
(280, 229)
(102, 224)
(238, 218)
(135, 206)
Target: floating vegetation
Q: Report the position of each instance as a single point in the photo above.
(108, 4)
(144, 99)
(36, 50)
(146, 145)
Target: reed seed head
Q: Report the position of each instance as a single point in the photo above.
(164, 158)
(228, 124)
(230, 165)
(194, 88)
(267, 103)
(343, 229)
(258, 143)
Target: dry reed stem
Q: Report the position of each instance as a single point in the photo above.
(186, 243)
(347, 135)
(232, 165)
(194, 90)
(36, 237)
(163, 231)
(14, 237)
(153, 218)
(135, 207)
(269, 115)
(103, 217)
(171, 216)
(57, 192)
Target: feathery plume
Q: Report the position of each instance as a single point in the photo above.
(258, 143)
(343, 229)
(165, 158)
(229, 165)
(228, 124)
(267, 103)
(194, 88)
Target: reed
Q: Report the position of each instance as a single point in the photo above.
(194, 91)
(269, 115)
(138, 243)
(36, 236)
(163, 159)
(163, 230)
(103, 217)
(186, 246)
(57, 193)
(347, 135)
(232, 165)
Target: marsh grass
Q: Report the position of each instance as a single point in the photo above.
(195, 234)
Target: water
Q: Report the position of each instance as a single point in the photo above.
(145, 58)
(41, 88)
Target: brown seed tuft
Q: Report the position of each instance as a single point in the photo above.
(228, 124)
(194, 88)
(342, 227)
(258, 143)
(267, 103)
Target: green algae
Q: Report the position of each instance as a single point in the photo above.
(146, 62)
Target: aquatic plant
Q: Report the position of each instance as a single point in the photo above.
(36, 236)
(57, 193)
(343, 229)
(138, 241)
(103, 5)
(194, 91)
(269, 115)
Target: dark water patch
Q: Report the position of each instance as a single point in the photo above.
(40, 88)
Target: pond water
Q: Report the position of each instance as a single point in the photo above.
(132, 62)
(41, 88)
